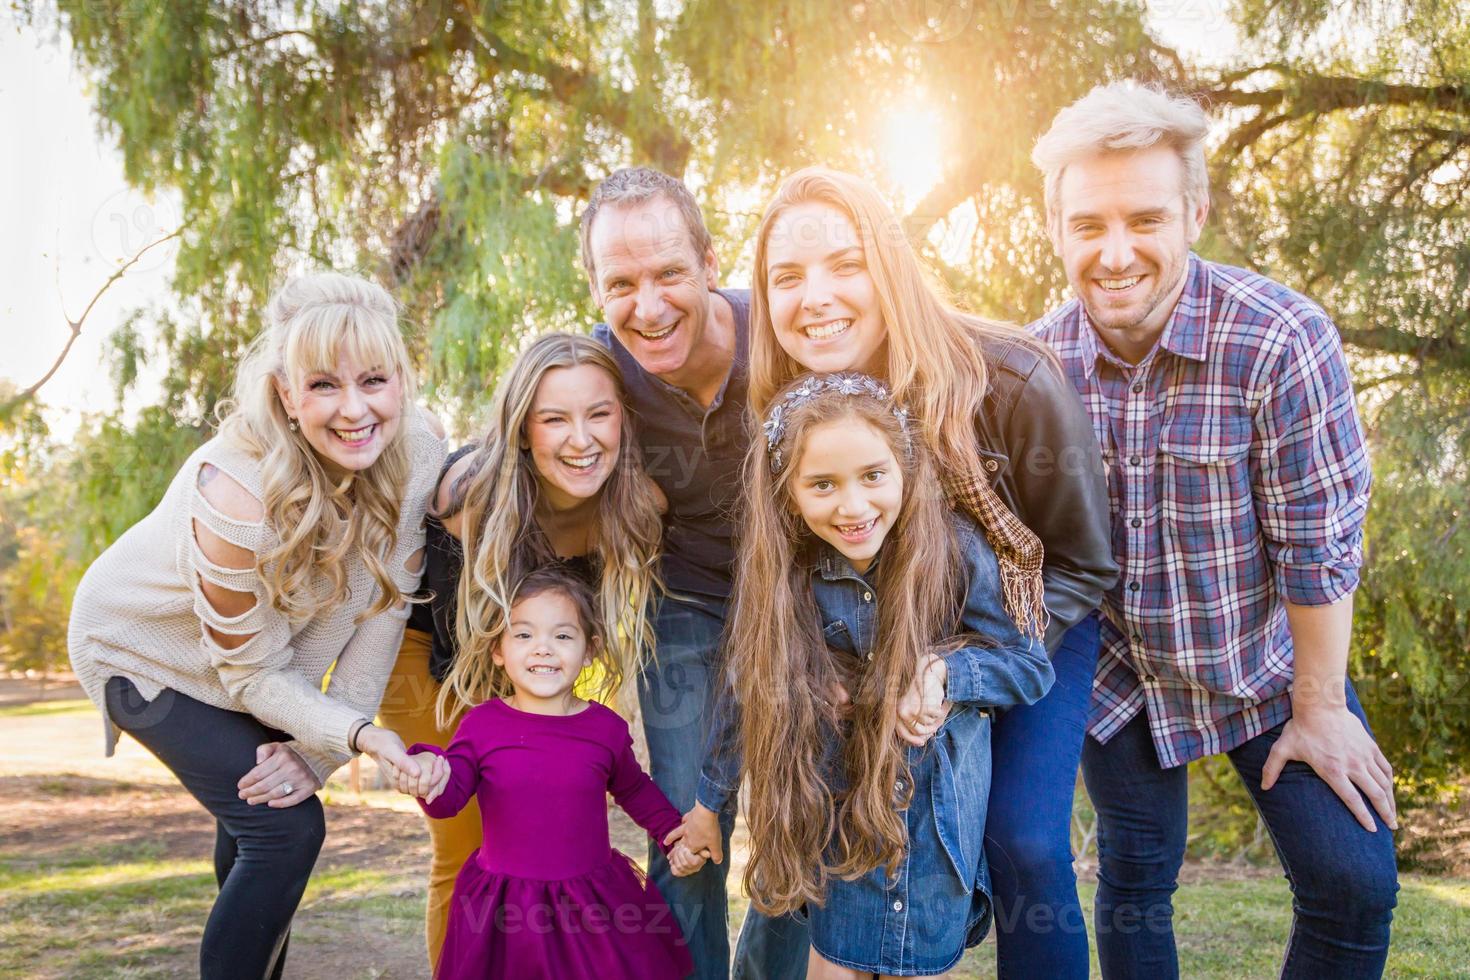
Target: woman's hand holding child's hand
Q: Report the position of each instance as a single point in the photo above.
(435, 774)
(923, 708)
(699, 835)
(431, 781)
(683, 861)
(393, 759)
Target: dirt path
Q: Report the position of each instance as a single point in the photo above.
(105, 863)
(85, 829)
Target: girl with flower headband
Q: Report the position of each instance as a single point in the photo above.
(837, 287)
(861, 599)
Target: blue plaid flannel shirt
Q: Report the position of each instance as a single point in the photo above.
(1237, 477)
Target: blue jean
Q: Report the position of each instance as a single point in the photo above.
(1039, 927)
(1343, 879)
(263, 856)
(674, 693)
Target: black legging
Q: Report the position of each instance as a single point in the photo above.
(263, 855)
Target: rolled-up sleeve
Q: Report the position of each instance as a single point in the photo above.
(1311, 470)
(1007, 668)
(720, 773)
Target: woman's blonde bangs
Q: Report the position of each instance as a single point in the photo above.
(324, 336)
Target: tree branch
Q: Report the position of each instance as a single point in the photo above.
(255, 42)
(1173, 58)
(668, 149)
(1327, 93)
(1443, 350)
(75, 326)
(956, 188)
(411, 240)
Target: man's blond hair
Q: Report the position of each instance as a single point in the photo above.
(1122, 116)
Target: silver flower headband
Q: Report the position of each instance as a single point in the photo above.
(845, 383)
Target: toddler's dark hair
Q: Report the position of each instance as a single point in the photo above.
(555, 578)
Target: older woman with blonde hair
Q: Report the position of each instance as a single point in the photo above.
(556, 478)
(286, 546)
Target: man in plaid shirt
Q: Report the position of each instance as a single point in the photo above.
(1238, 483)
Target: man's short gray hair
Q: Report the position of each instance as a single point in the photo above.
(1124, 116)
(635, 185)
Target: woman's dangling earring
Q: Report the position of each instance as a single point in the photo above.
(292, 424)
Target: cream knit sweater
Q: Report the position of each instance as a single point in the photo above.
(139, 612)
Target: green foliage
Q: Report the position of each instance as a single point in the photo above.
(115, 473)
(36, 585)
(1413, 623)
(447, 147)
(1352, 188)
(503, 266)
(60, 506)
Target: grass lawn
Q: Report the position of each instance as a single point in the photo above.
(105, 873)
(117, 883)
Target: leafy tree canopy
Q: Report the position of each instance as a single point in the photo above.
(446, 147)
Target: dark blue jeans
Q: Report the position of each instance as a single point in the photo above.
(1343, 879)
(263, 855)
(1039, 927)
(674, 694)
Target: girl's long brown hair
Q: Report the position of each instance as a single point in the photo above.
(802, 830)
(498, 494)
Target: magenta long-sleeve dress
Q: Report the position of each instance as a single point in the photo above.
(546, 895)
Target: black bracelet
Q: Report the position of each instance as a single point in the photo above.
(352, 738)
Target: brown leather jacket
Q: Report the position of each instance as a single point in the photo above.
(1037, 444)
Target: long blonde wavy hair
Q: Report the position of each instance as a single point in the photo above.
(313, 322)
(936, 365)
(498, 496)
(803, 832)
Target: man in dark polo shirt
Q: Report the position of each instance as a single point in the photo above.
(682, 344)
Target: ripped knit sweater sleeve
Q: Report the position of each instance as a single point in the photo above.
(140, 612)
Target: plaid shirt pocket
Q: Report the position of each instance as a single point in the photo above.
(1209, 538)
(1204, 476)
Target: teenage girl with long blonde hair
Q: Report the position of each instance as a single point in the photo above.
(286, 546)
(838, 287)
(556, 478)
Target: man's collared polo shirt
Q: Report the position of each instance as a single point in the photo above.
(694, 454)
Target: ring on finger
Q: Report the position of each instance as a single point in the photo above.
(287, 789)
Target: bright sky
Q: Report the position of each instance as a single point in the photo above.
(72, 219)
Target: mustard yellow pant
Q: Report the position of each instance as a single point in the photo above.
(408, 709)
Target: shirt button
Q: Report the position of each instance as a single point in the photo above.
(1134, 586)
(1136, 522)
(897, 905)
(867, 597)
(1134, 460)
(1147, 678)
(1137, 389)
(1137, 637)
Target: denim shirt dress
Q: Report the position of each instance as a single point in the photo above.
(920, 921)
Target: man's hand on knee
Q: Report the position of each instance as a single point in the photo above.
(1339, 749)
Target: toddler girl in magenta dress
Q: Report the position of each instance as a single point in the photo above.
(546, 895)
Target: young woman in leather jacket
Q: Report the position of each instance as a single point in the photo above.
(837, 287)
